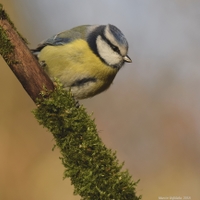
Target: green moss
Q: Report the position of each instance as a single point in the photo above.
(5, 16)
(6, 48)
(93, 169)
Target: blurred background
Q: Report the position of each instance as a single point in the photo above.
(150, 115)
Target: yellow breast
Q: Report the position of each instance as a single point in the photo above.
(76, 61)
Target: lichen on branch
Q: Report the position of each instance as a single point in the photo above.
(93, 169)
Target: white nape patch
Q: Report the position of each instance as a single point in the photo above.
(106, 52)
(113, 40)
(91, 28)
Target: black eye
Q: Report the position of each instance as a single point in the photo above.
(115, 48)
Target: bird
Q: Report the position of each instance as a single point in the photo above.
(85, 59)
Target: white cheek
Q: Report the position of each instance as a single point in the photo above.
(106, 52)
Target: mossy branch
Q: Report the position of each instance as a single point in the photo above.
(93, 169)
(14, 50)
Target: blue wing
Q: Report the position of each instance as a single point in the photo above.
(63, 38)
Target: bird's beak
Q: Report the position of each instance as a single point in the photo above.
(127, 59)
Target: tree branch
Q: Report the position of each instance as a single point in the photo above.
(20, 60)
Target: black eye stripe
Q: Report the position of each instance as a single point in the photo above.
(115, 48)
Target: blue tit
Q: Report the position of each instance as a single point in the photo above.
(85, 59)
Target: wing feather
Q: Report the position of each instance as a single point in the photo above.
(62, 38)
